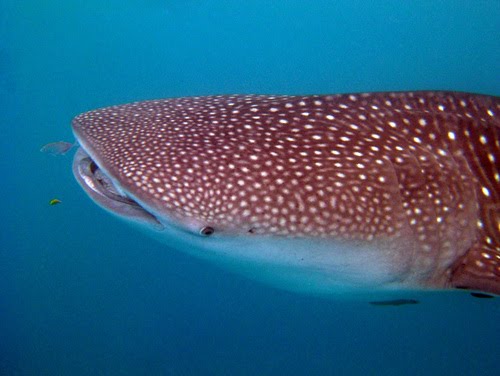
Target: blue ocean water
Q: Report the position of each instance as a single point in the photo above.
(81, 293)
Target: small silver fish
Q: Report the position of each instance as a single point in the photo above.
(322, 194)
(57, 148)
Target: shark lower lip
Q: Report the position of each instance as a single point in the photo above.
(106, 193)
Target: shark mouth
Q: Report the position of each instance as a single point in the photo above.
(107, 193)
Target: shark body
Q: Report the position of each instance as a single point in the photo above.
(374, 191)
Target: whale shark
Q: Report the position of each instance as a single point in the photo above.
(326, 194)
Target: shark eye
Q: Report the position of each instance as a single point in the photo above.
(207, 231)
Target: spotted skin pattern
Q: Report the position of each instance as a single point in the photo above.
(414, 172)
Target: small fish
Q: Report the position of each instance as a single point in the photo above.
(54, 201)
(57, 148)
(395, 302)
(480, 295)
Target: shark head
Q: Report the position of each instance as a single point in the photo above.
(312, 193)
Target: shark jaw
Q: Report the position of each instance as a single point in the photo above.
(107, 194)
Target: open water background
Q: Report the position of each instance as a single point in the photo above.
(81, 293)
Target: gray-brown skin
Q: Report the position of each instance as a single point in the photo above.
(414, 172)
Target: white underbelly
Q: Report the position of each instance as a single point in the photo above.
(314, 266)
